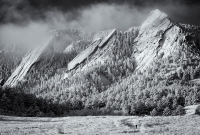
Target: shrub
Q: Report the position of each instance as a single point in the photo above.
(167, 111)
(154, 112)
(180, 110)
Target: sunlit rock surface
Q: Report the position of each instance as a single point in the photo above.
(100, 42)
(26, 63)
(158, 37)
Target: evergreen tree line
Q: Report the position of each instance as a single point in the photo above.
(164, 88)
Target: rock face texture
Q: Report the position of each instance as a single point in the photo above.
(158, 37)
(26, 63)
(98, 43)
(101, 34)
(154, 38)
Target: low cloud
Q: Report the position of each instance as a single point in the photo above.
(30, 35)
(99, 17)
(94, 18)
(32, 31)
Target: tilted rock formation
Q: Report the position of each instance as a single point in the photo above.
(83, 38)
(158, 37)
(26, 63)
(101, 34)
(151, 38)
(100, 51)
(104, 53)
(98, 43)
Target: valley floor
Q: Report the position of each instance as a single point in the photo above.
(100, 125)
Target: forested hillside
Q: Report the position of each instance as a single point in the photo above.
(145, 70)
(9, 60)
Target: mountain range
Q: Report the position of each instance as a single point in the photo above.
(151, 69)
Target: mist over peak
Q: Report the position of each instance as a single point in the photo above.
(28, 22)
(94, 18)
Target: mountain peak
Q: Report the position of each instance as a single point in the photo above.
(154, 17)
(154, 14)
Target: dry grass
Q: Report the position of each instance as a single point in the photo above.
(101, 125)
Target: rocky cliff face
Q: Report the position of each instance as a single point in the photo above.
(157, 37)
(143, 69)
(26, 63)
(98, 43)
(55, 44)
(161, 37)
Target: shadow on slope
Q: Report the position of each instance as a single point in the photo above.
(15, 102)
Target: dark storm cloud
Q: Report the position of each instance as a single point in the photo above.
(28, 21)
(94, 17)
(21, 11)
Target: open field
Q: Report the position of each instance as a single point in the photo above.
(100, 125)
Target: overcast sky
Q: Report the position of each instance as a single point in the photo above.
(28, 21)
(21, 11)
